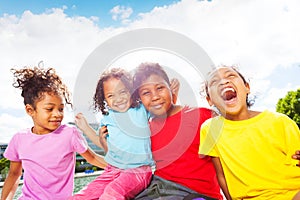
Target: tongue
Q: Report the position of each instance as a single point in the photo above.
(229, 95)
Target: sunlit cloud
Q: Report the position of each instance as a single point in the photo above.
(121, 13)
(257, 36)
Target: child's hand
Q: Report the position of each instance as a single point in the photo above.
(103, 133)
(81, 122)
(296, 156)
(174, 86)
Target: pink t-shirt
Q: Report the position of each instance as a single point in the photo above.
(48, 161)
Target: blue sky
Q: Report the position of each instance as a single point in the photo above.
(261, 37)
(100, 9)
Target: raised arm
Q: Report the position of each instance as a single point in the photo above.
(221, 177)
(84, 126)
(12, 180)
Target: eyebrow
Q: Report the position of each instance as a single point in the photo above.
(52, 104)
(216, 73)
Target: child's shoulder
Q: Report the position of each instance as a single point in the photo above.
(200, 113)
(66, 128)
(280, 117)
(22, 133)
(275, 115)
(202, 110)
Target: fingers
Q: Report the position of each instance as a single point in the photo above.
(79, 115)
(103, 131)
(174, 85)
(296, 156)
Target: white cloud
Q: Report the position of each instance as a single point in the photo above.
(121, 13)
(10, 124)
(270, 99)
(257, 35)
(59, 41)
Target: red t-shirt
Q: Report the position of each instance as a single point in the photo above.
(175, 144)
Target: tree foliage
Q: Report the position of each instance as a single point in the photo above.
(4, 163)
(290, 105)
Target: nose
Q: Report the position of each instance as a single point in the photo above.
(119, 98)
(155, 95)
(224, 81)
(58, 113)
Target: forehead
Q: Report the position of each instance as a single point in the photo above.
(47, 97)
(153, 80)
(220, 72)
(113, 83)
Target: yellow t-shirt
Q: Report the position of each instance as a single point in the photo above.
(255, 154)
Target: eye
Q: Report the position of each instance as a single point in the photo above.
(49, 109)
(124, 92)
(160, 87)
(231, 75)
(144, 93)
(109, 96)
(212, 82)
(61, 109)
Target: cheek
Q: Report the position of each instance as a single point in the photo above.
(108, 102)
(167, 95)
(145, 100)
(212, 98)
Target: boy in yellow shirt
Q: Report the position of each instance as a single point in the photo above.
(252, 151)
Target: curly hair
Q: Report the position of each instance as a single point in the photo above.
(117, 73)
(143, 71)
(35, 81)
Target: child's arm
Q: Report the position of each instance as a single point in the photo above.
(12, 180)
(84, 126)
(90, 156)
(102, 138)
(221, 177)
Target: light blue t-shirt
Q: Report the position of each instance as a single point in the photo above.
(129, 138)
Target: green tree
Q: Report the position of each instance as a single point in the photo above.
(290, 105)
(4, 168)
(4, 163)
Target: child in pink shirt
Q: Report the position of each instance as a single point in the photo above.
(46, 151)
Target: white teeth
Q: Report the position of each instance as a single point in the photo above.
(226, 90)
(157, 106)
(121, 106)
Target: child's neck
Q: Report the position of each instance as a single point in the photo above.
(173, 110)
(248, 114)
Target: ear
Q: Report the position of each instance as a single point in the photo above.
(29, 109)
(209, 101)
(247, 88)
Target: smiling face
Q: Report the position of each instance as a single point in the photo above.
(47, 114)
(116, 95)
(228, 92)
(156, 95)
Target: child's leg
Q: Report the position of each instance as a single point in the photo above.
(128, 184)
(95, 188)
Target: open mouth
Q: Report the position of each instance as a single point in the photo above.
(228, 94)
(121, 106)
